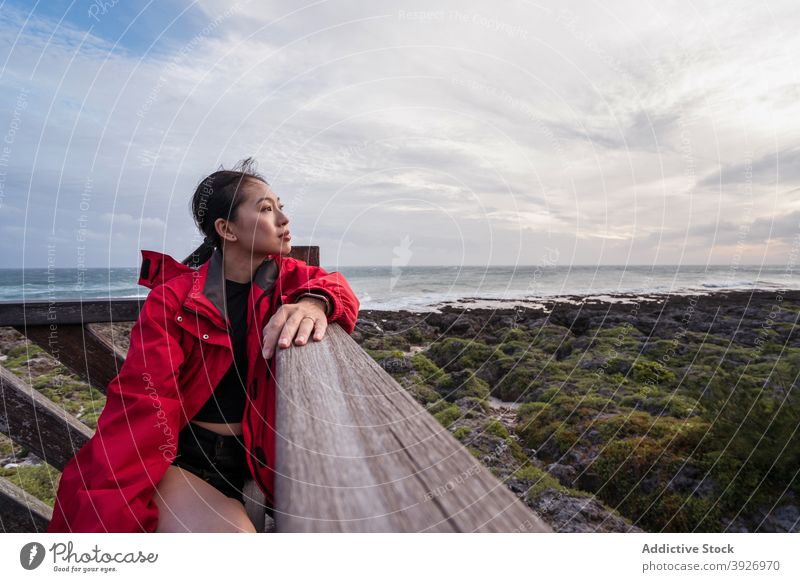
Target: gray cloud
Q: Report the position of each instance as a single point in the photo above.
(784, 227)
(782, 167)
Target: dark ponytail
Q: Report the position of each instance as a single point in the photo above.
(218, 196)
(200, 255)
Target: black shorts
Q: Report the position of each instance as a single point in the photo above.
(220, 460)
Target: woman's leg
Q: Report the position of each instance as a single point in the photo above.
(186, 503)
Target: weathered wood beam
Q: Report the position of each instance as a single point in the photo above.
(20, 512)
(80, 348)
(62, 312)
(308, 254)
(35, 422)
(356, 453)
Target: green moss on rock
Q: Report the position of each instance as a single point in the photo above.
(41, 481)
(448, 416)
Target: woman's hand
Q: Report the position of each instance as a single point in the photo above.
(301, 318)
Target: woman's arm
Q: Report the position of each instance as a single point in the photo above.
(303, 279)
(109, 484)
(312, 298)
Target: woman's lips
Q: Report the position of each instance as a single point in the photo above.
(287, 236)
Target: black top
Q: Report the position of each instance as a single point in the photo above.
(228, 400)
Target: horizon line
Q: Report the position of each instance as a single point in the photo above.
(487, 266)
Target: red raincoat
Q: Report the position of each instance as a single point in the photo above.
(180, 349)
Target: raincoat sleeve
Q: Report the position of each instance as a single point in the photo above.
(108, 485)
(304, 278)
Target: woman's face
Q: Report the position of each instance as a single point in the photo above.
(260, 226)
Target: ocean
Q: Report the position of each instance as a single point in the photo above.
(428, 288)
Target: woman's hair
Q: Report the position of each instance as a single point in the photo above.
(218, 196)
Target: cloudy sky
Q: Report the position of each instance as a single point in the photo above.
(455, 133)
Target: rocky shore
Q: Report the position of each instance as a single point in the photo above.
(659, 413)
(614, 414)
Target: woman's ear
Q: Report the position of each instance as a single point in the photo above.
(223, 229)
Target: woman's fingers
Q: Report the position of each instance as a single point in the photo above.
(285, 325)
(290, 329)
(304, 330)
(319, 328)
(271, 332)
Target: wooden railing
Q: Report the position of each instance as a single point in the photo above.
(355, 452)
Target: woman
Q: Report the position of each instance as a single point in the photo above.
(191, 414)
